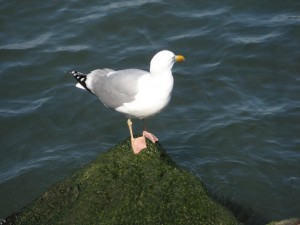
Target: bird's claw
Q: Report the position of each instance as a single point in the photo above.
(150, 136)
(138, 144)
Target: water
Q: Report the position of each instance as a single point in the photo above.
(233, 120)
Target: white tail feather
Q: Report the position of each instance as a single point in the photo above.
(80, 86)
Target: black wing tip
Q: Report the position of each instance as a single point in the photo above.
(76, 73)
(81, 78)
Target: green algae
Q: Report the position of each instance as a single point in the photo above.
(292, 221)
(122, 188)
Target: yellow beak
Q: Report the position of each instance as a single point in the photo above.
(179, 58)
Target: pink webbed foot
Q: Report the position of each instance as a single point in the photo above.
(150, 136)
(138, 144)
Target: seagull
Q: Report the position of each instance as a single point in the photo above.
(136, 93)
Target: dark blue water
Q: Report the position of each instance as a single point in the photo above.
(234, 118)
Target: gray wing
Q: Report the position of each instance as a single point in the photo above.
(114, 88)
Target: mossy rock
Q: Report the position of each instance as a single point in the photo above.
(293, 221)
(122, 188)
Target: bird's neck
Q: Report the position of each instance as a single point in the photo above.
(162, 81)
(160, 73)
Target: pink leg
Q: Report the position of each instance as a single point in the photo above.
(147, 134)
(137, 144)
(150, 136)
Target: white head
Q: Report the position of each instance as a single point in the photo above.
(163, 62)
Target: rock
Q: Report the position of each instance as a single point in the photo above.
(120, 187)
(293, 221)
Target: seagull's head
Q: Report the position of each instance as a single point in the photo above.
(163, 62)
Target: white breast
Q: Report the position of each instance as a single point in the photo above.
(153, 96)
